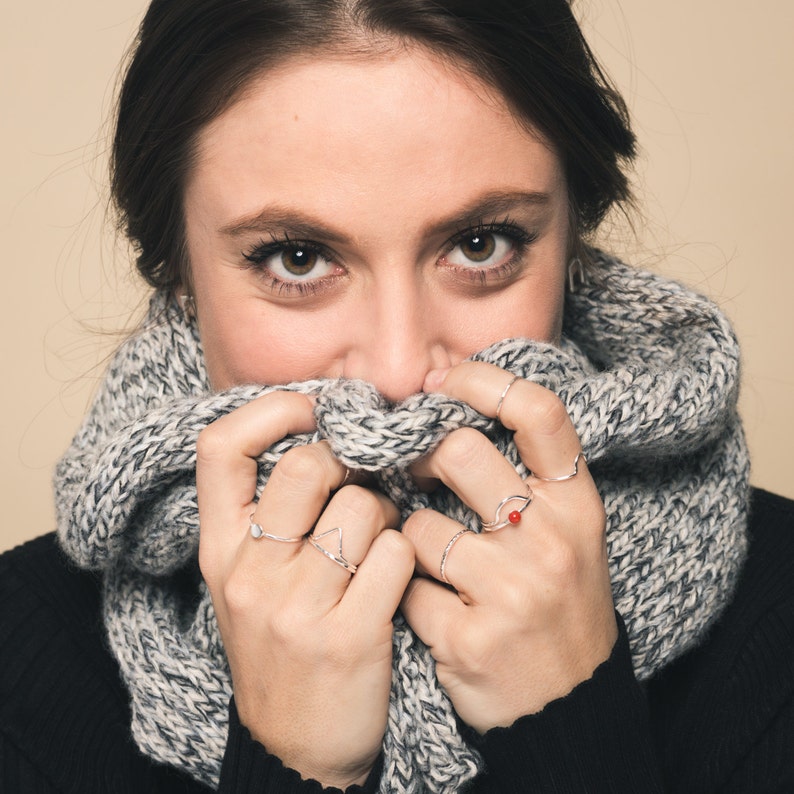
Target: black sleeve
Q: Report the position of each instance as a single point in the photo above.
(64, 717)
(248, 767)
(64, 714)
(596, 739)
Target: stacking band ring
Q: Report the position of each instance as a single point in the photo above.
(514, 516)
(442, 568)
(257, 532)
(564, 477)
(504, 394)
(337, 557)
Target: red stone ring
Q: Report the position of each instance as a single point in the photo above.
(521, 503)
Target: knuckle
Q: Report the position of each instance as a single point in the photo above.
(396, 547)
(286, 626)
(418, 523)
(546, 412)
(461, 449)
(299, 466)
(281, 401)
(212, 443)
(587, 515)
(598, 523)
(562, 560)
(473, 647)
(240, 594)
(356, 501)
(207, 565)
(296, 626)
(285, 622)
(514, 595)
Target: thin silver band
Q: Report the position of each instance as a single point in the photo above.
(442, 568)
(564, 477)
(338, 558)
(504, 394)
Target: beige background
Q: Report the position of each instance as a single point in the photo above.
(710, 85)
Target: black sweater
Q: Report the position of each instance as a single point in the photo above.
(720, 719)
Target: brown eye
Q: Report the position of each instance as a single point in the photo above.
(290, 261)
(299, 261)
(482, 249)
(479, 247)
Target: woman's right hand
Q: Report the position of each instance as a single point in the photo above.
(309, 645)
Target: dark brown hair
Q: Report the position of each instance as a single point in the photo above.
(192, 58)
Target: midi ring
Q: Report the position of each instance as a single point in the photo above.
(257, 532)
(338, 558)
(442, 569)
(564, 476)
(513, 517)
(504, 394)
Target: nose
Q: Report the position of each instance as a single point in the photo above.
(399, 344)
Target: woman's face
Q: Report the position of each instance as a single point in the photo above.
(371, 219)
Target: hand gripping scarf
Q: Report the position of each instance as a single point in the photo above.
(649, 373)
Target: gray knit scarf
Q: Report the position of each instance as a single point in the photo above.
(649, 374)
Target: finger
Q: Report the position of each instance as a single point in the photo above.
(544, 434)
(298, 489)
(448, 554)
(468, 463)
(374, 593)
(434, 613)
(226, 459)
(355, 516)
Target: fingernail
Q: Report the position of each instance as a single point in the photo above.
(434, 379)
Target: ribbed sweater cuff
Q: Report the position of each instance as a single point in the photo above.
(595, 739)
(248, 767)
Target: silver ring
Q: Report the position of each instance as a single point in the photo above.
(257, 532)
(564, 476)
(504, 394)
(513, 517)
(338, 558)
(452, 541)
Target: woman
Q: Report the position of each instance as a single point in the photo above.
(376, 309)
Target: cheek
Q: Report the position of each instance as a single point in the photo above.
(546, 323)
(252, 347)
(531, 318)
(532, 309)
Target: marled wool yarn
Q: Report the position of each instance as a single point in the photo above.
(649, 373)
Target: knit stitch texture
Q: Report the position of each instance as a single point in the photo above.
(649, 373)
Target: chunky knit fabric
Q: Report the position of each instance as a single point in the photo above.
(649, 374)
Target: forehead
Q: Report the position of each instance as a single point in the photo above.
(395, 125)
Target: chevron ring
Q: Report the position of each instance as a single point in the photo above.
(336, 556)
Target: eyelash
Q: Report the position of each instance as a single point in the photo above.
(519, 238)
(262, 251)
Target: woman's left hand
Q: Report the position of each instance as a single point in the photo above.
(531, 615)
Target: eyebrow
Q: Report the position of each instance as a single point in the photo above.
(489, 207)
(276, 219)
